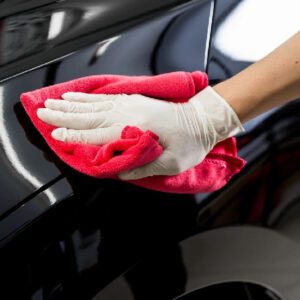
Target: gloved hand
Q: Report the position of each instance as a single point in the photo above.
(187, 131)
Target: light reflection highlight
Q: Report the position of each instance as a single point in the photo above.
(56, 24)
(104, 45)
(13, 157)
(255, 28)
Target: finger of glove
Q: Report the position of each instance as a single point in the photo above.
(98, 136)
(74, 120)
(163, 165)
(85, 97)
(78, 107)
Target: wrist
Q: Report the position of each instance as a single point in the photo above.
(232, 95)
(219, 114)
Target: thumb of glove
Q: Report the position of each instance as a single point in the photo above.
(163, 165)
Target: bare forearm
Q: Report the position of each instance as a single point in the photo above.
(272, 81)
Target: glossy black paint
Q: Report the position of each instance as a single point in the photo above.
(44, 199)
(64, 235)
(26, 157)
(36, 32)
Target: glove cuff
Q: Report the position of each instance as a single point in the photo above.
(218, 112)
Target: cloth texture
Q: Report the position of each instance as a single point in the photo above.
(136, 147)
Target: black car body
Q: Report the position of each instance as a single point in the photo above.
(65, 235)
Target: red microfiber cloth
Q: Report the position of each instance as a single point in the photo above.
(136, 147)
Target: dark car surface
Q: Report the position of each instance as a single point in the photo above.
(64, 235)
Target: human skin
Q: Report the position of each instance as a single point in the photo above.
(272, 81)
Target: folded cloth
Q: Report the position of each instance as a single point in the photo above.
(136, 147)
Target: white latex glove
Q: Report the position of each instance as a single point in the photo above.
(187, 131)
